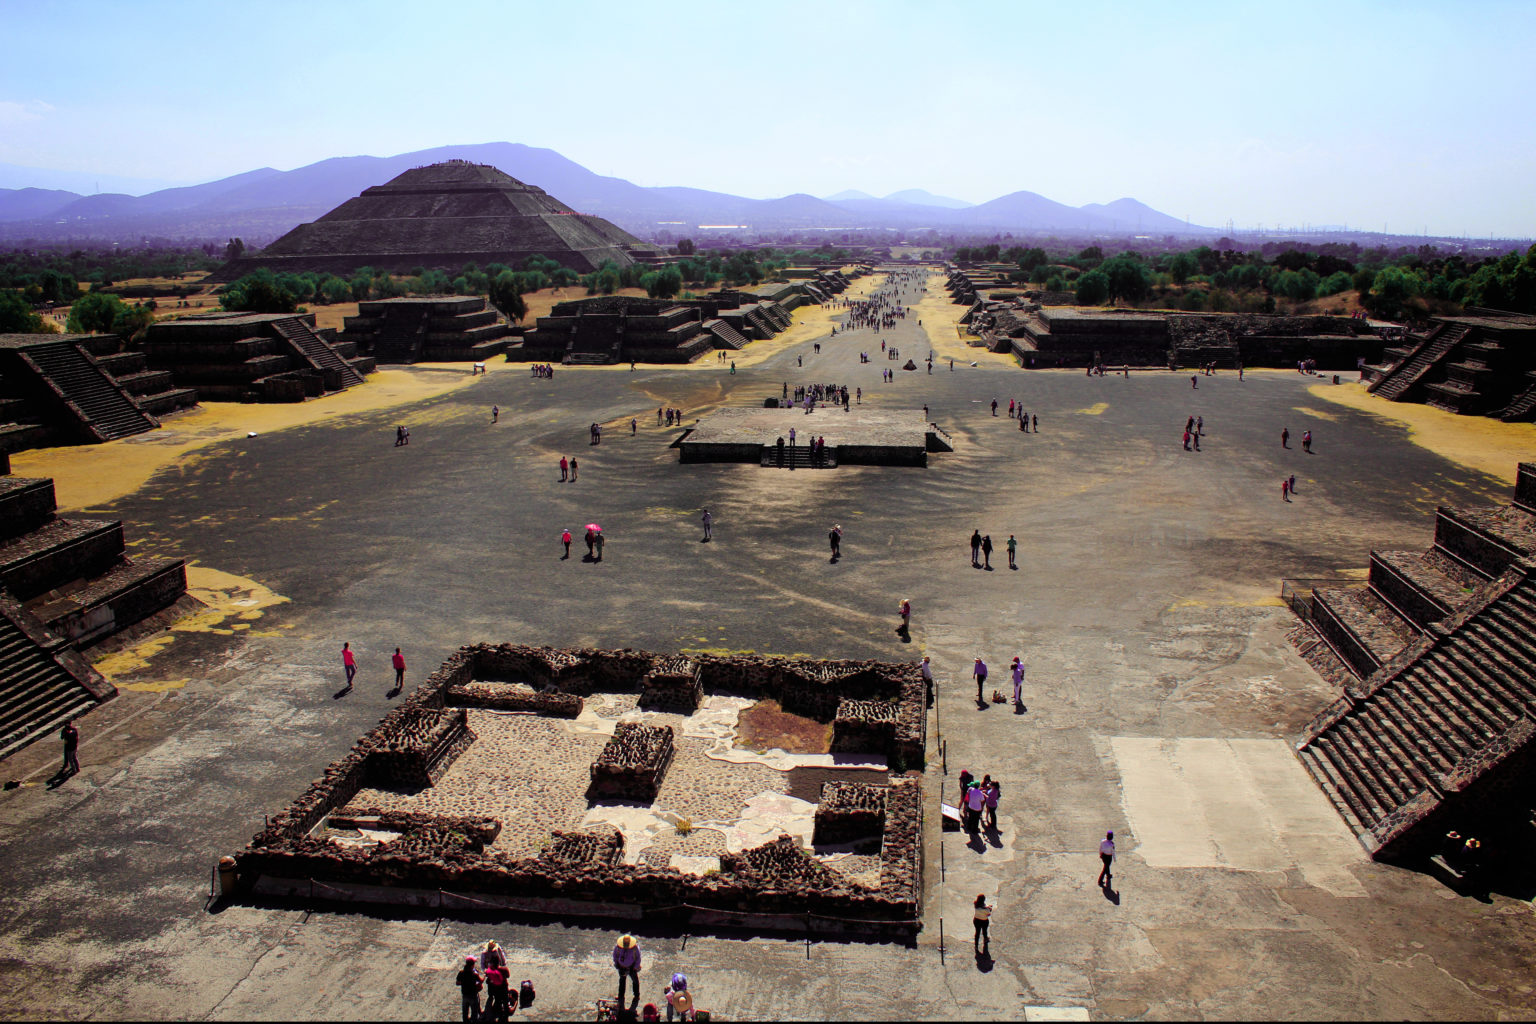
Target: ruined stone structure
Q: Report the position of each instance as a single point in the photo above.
(448, 862)
(1052, 336)
(1482, 363)
(449, 328)
(633, 763)
(78, 389)
(443, 216)
(1436, 657)
(64, 584)
(253, 357)
(616, 329)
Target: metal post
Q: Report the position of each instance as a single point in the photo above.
(944, 753)
(941, 940)
(941, 842)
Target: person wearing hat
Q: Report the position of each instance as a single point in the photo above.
(626, 960)
(1107, 855)
(469, 983)
(679, 1001)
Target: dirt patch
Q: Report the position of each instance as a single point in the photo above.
(765, 725)
(806, 783)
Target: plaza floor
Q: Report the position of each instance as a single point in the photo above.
(1160, 695)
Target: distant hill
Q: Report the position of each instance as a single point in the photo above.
(922, 197)
(262, 204)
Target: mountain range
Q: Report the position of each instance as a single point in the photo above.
(262, 204)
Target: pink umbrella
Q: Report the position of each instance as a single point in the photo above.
(594, 528)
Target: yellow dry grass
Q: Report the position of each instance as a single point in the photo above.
(88, 476)
(941, 322)
(1476, 442)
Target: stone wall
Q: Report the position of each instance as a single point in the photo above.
(776, 883)
(632, 763)
(512, 697)
(850, 811)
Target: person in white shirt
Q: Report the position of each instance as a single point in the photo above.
(983, 918)
(1107, 855)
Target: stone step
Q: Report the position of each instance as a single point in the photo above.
(1350, 807)
(58, 551)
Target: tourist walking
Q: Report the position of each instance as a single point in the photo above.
(495, 413)
(399, 662)
(994, 407)
(348, 663)
(598, 541)
(976, 549)
(468, 980)
(1012, 548)
(70, 734)
(1306, 441)
(986, 551)
(1107, 856)
(906, 616)
(1034, 424)
(709, 526)
(966, 778)
(1285, 489)
(565, 469)
(573, 469)
(565, 539)
(927, 670)
(993, 795)
(1285, 437)
(626, 960)
(835, 538)
(1017, 670)
(983, 918)
(979, 670)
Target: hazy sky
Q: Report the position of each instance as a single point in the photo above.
(1404, 114)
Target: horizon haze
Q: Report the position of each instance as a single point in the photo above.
(1345, 115)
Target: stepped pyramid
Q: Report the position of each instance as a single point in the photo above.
(444, 216)
(1436, 728)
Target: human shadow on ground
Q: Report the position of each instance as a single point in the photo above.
(1110, 893)
(342, 692)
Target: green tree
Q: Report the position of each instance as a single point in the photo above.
(1334, 283)
(1127, 277)
(1092, 289)
(663, 284)
(260, 292)
(685, 247)
(334, 290)
(1090, 256)
(1391, 290)
(506, 297)
(1182, 267)
(94, 313)
(130, 321)
(235, 249)
(16, 317)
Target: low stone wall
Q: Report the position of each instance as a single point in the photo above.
(422, 831)
(422, 746)
(511, 697)
(633, 762)
(865, 725)
(849, 811)
(585, 849)
(672, 685)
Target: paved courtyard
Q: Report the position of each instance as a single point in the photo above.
(1160, 698)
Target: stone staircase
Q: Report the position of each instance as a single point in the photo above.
(797, 457)
(726, 336)
(1397, 382)
(318, 353)
(1441, 729)
(1523, 407)
(104, 409)
(43, 683)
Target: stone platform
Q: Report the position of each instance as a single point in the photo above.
(858, 436)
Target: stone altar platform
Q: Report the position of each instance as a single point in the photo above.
(857, 436)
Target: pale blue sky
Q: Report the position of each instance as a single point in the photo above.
(1409, 115)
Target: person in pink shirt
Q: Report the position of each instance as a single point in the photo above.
(348, 662)
(565, 538)
(565, 468)
(399, 662)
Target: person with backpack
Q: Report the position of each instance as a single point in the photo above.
(469, 983)
(497, 1008)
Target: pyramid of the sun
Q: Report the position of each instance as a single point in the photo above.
(444, 216)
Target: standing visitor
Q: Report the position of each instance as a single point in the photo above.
(1018, 680)
(495, 413)
(975, 548)
(399, 662)
(626, 960)
(1285, 437)
(1306, 441)
(598, 540)
(709, 526)
(906, 615)
(1012, 548)
(986, 551)
(835, 538)
(565, 469)
(979, 670)
(573, 468)
(469, 983)
(994, 794)
(70, 734)
(565, 538)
